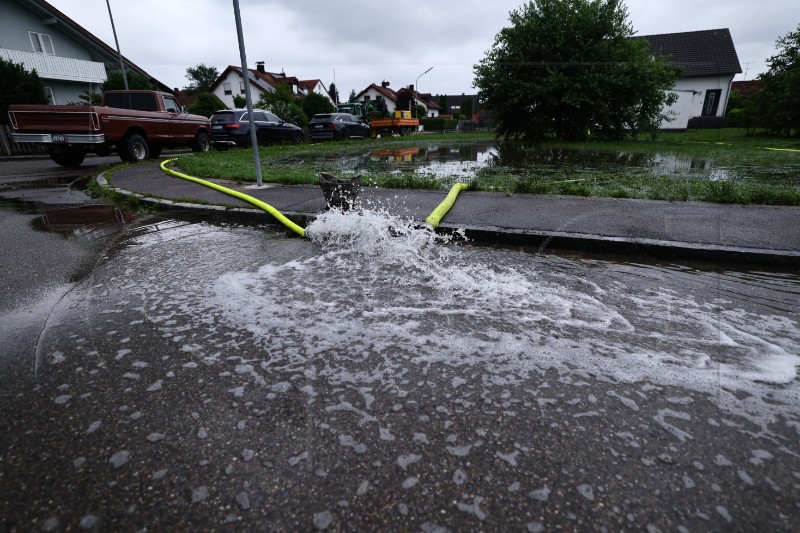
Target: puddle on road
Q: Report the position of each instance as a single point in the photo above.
(91, 222)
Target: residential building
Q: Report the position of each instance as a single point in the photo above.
(383, 95)
(68, 58)
(231, 83)
(709, 62)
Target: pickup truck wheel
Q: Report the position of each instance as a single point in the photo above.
(67, 156)
(201, 143)
(134, 149)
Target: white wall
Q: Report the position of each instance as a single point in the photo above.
(373, 95)
(691, 94)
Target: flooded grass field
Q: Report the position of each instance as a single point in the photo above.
(679, 167)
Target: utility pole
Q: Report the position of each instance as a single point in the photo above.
(246, 76)
(416, 88)
(114, 29)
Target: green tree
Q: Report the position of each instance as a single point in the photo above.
(779, 102)
(115, 82)
(239, 101)
(568, 67)
(444, 104)
(282, 102)
(202, 77)
(467, 107)
(353, 98)
(314, 104)
(206, 104)
(20, 86)
(333, 91)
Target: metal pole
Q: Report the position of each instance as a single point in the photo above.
(246, 76)
(114, 29)
(416, 88)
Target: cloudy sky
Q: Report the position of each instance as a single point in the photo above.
(362, 42)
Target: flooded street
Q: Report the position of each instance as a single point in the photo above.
(171, 374)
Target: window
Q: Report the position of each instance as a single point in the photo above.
(171, 105)
(711, 102)
(138, 101)
(42, 44)
(241, 87)
(227, 88)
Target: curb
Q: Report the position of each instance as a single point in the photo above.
(541, 241)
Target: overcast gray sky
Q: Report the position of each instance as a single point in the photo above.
(366, 42)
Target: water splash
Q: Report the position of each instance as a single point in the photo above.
(385, 290)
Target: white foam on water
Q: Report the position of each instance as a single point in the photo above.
(383, 288)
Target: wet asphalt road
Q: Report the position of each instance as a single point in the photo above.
(124, 411)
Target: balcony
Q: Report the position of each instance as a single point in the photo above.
(58, 68)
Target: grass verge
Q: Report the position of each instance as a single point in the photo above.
(727, 148)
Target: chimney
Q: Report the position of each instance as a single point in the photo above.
(385, 84)
(260, 66)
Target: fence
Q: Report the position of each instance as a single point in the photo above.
(9, 147)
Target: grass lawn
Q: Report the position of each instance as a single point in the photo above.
(754, 170)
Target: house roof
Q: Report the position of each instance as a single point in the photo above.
(387, 93)
(80, 34)
(262, 80)
(698, 53)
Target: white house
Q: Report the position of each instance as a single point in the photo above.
(709, 62)
(384, 95)
(231, 83)
(68, 58)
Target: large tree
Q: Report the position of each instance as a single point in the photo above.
(779, 103)
(202, 77)
(20, 86)
(571, 68)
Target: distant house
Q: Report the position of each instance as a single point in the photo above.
(383, 95)
(709, 63)
(68, 58)
(231, 83)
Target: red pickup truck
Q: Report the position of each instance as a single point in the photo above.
(135, 124)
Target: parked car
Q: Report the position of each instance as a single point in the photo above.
(337, 126)
(231, 127)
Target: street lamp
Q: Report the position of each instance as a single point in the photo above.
(416, 88)
(119, 53)
(248, 97)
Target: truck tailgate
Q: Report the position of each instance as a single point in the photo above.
(53, 119)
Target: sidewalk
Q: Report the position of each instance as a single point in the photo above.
(719, 232)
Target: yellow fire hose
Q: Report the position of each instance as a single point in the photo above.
(236, 194)
(436, 217)
(433, 219)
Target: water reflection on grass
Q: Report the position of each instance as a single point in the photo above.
(717, 167)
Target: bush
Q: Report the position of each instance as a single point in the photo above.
(439, 124)
(206, 104)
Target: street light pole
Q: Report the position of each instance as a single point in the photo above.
(248, 97)
(416, 88)
(119, 53)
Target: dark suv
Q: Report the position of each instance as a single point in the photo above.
(337, 126)
(232, 128)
